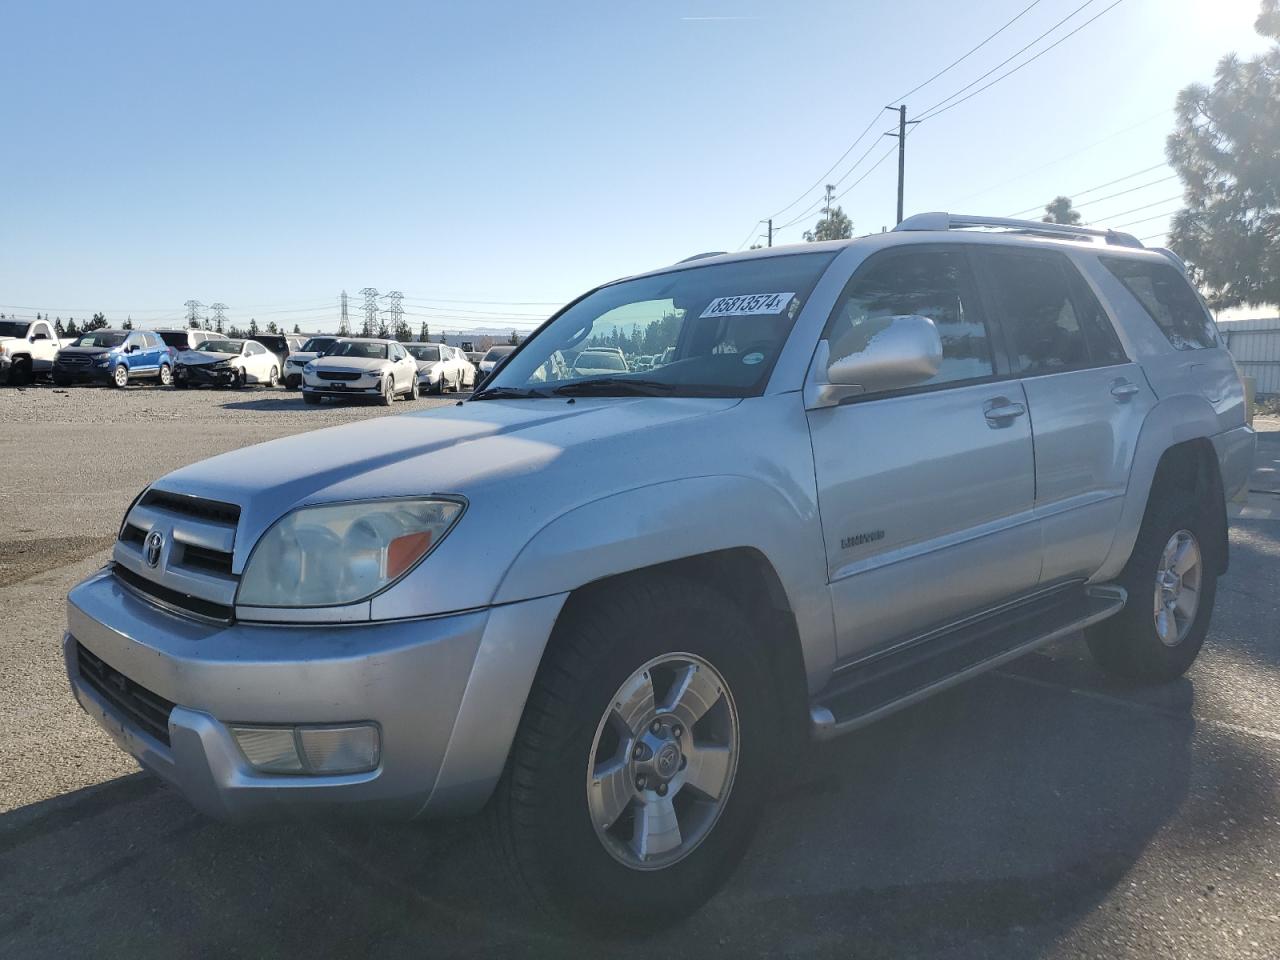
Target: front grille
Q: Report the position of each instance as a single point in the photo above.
(213, 510)
(176, 599)
(74, 360)
(339, 374)
(203, 558)
(147, 710)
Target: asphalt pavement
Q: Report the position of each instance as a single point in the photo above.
(1042, 811)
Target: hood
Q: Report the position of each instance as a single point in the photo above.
(196, 358)
(428, 364)
(483, 450)
(85, 351)
(299, 356)
(350, 363)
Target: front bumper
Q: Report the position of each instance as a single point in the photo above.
(206, 376)
(81, 372)
(446, 694)
(367, 386)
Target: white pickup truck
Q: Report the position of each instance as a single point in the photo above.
(27, 348)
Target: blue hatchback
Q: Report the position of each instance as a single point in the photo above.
(114, 356)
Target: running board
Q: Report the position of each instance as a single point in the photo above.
(882, 683)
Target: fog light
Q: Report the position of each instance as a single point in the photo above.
(269, 749)
(353, 748)
(340, 749)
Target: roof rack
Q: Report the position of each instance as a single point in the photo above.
(952, 221)
(703, 256)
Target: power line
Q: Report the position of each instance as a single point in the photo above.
(1134, 223)
(822, 179)
(1081, 193)
(1145, 206)
(870, 170)
(933, 111)
(1121, 193)
(954, 63)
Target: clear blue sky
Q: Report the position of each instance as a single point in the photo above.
(267, 155)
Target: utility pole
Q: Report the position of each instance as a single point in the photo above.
(770, 234)
(902, 149)
(826, 203)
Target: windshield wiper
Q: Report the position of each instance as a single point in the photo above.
(507, 393)
(615, 386)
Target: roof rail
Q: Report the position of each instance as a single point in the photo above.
(952, 221)
(703, 256)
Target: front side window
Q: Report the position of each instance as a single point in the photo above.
(926, 283)
(722, 325)
(1168, 299)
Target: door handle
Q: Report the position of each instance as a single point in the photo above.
(1000, 412)
(1122, 390)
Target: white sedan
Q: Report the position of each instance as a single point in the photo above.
(361, 367)
(441, 367)
(222, 362)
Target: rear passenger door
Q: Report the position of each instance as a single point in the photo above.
(1087, 401)
(926, 493)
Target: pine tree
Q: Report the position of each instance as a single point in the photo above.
(424, 334)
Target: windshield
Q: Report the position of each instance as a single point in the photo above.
(359, 348)
(220, 346)
(497, 353)
(13, 328)
(318, 344)
(716, 330)
(101, 338)
(273, 343)
(423, 351)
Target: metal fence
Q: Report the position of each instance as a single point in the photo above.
(1255, 345)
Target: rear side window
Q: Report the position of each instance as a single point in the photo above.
(1043, 326)
(1168, 299)
(927, 283)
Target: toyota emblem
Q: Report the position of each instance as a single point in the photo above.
(151, 549)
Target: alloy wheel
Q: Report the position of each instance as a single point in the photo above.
(1177, 588)
(662, 762)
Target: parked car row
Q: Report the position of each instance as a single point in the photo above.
(322, 366)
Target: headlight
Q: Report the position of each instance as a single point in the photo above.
(309, 368)
(102, 361)
(335, 554)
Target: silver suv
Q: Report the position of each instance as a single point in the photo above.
(608, 606)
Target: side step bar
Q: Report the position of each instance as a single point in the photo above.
(881, 684)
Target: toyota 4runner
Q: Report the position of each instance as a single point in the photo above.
(603, 605)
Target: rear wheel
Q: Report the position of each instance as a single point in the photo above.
(120, 375)
(62, 381)
(1172, 579)
(273, 378)
(643, 758)
(166, 375)
(413, 388)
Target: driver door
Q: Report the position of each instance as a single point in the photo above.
(926, 494)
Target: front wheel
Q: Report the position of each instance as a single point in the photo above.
(388, 392)
(166, 375)
(120, 375)
(412, 393)
(273, 378)
(1172, 579)
(643, 758)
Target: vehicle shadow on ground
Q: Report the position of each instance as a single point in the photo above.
(989, 821)
(274, 400)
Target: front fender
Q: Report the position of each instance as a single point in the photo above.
(1175, 420)
(676, 519)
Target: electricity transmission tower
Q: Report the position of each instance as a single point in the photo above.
(398, 326)
(219, 314)
(193, 312)
(344, 323)
(370, 295)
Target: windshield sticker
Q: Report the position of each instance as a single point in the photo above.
(751, 359)
(749, 305)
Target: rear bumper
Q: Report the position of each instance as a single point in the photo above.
(446, 694)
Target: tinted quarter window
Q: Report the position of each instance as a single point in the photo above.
(933, 284)
(1168, 299)
(1035, 303)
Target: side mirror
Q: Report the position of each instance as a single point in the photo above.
(888, 353)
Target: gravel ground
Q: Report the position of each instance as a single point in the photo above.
(1041, 811)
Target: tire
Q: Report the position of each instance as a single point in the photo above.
(273, 378)
(166, 375)
(412, 393)
(120, 376)
(1129, 645)
(241, 379)
(388, 392)
(310, 398)
(541, 814)
(62, 381)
